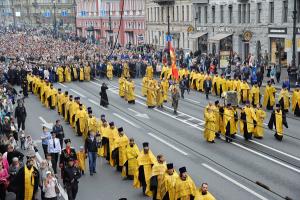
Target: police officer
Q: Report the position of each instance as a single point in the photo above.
(65, 155)
(70, 179)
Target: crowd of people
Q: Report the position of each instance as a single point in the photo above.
(35, 61)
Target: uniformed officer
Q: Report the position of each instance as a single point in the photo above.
(66, 154)
(70, 179)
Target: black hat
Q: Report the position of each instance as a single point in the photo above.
(102, 116)
(66, 92)
(120, 129)
(229, 104)
(145, 144)
(89, 108)
(111, 123)
(123, 199)
(277, 105)
(80, 104)
(182, 170)
(90, 111)
(71, 96)
(67, 141)
(76, 98)
(59, 89)
(269, 82)
(170, 166)
(247, 102)
(217, 102)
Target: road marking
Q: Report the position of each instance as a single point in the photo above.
(268, 158)
(234, 181)
(95, 83)
(126, 120)
(192, 100)
(63, 85)
(46, 124)
(168, 144)
(97, 104)
(76, 92)
(138, 114)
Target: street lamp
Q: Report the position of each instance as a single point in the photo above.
(54, 18)
(167, 3)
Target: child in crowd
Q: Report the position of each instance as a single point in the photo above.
(81, 156)
(22, 140)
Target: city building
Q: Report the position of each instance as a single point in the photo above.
(181, 18)
(112, 21)
(39, 13)
(243, 26)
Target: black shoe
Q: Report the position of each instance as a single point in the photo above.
(91, 174)
(94, 172)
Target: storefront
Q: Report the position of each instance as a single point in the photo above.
(221, 44)
(200, 41)
(278, 45)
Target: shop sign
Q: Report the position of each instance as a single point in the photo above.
(277, 30)
(223, 30)
(201, 29)
(247, 36)
(224, 58)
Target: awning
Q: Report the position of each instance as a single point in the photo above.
(197, 35)
(218, 37)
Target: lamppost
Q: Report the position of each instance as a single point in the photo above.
(75, 16)
(294, 68)
(54, 18)
(167, 3)
(110, 33)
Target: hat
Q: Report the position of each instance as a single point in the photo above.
(102, 116)
(229, 104)
(89, 108)
(247, 102)
(90, 112)
(80, 104)
(170, 166)
(59, 89)
(66, 92)
(120, 129)
(71, 96)
(145, 144)
(67, 141)
(217, 102)
(111, 123)
(278, 105)
(182, 170)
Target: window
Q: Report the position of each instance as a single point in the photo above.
(244, 13)
(173, 13)
(230, 14)
(222, 14)
(258, 13)
(162, 14)
(248, 13)
(285, 11)
(271, 12)
(182, 9)
(205, 15)
(240, 13)
(187, 13)
(199, 14)
(177, 13)
(213, 14)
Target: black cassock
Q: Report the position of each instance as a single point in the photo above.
(104, 99)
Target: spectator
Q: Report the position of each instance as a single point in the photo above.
(20, 115)
(44, 168)
(91, 148)
(3, 181)
(4, 162)
(46, 135)
(54, 150)
(13, 170)
(59, 130)
(11, 153)
(49, 187)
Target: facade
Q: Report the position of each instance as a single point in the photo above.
(181, 18)
(245, 26)
(104, 21)
(39, 13)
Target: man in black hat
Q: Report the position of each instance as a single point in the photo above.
(92, 122)
(145, 160)
(58, 100)
(66, 153)
(67, 108)
(185, 187)
(63, 102)
(158, 171)
(296, 100)
(229, 118)
(70, 179)
(278, 119)
(269, 96)
(132, 152)
(112, 134)
(27, 180)
(81, 121)
(167, 190)
(74, 107)
(119, 153)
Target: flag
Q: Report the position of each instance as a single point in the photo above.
(173, 62)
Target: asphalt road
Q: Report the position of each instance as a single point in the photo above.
(231, 170)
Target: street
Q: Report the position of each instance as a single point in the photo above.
(227, 168)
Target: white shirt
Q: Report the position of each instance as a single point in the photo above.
(50, 189)
(54, 148)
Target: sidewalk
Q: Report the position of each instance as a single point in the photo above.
(278, 86)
